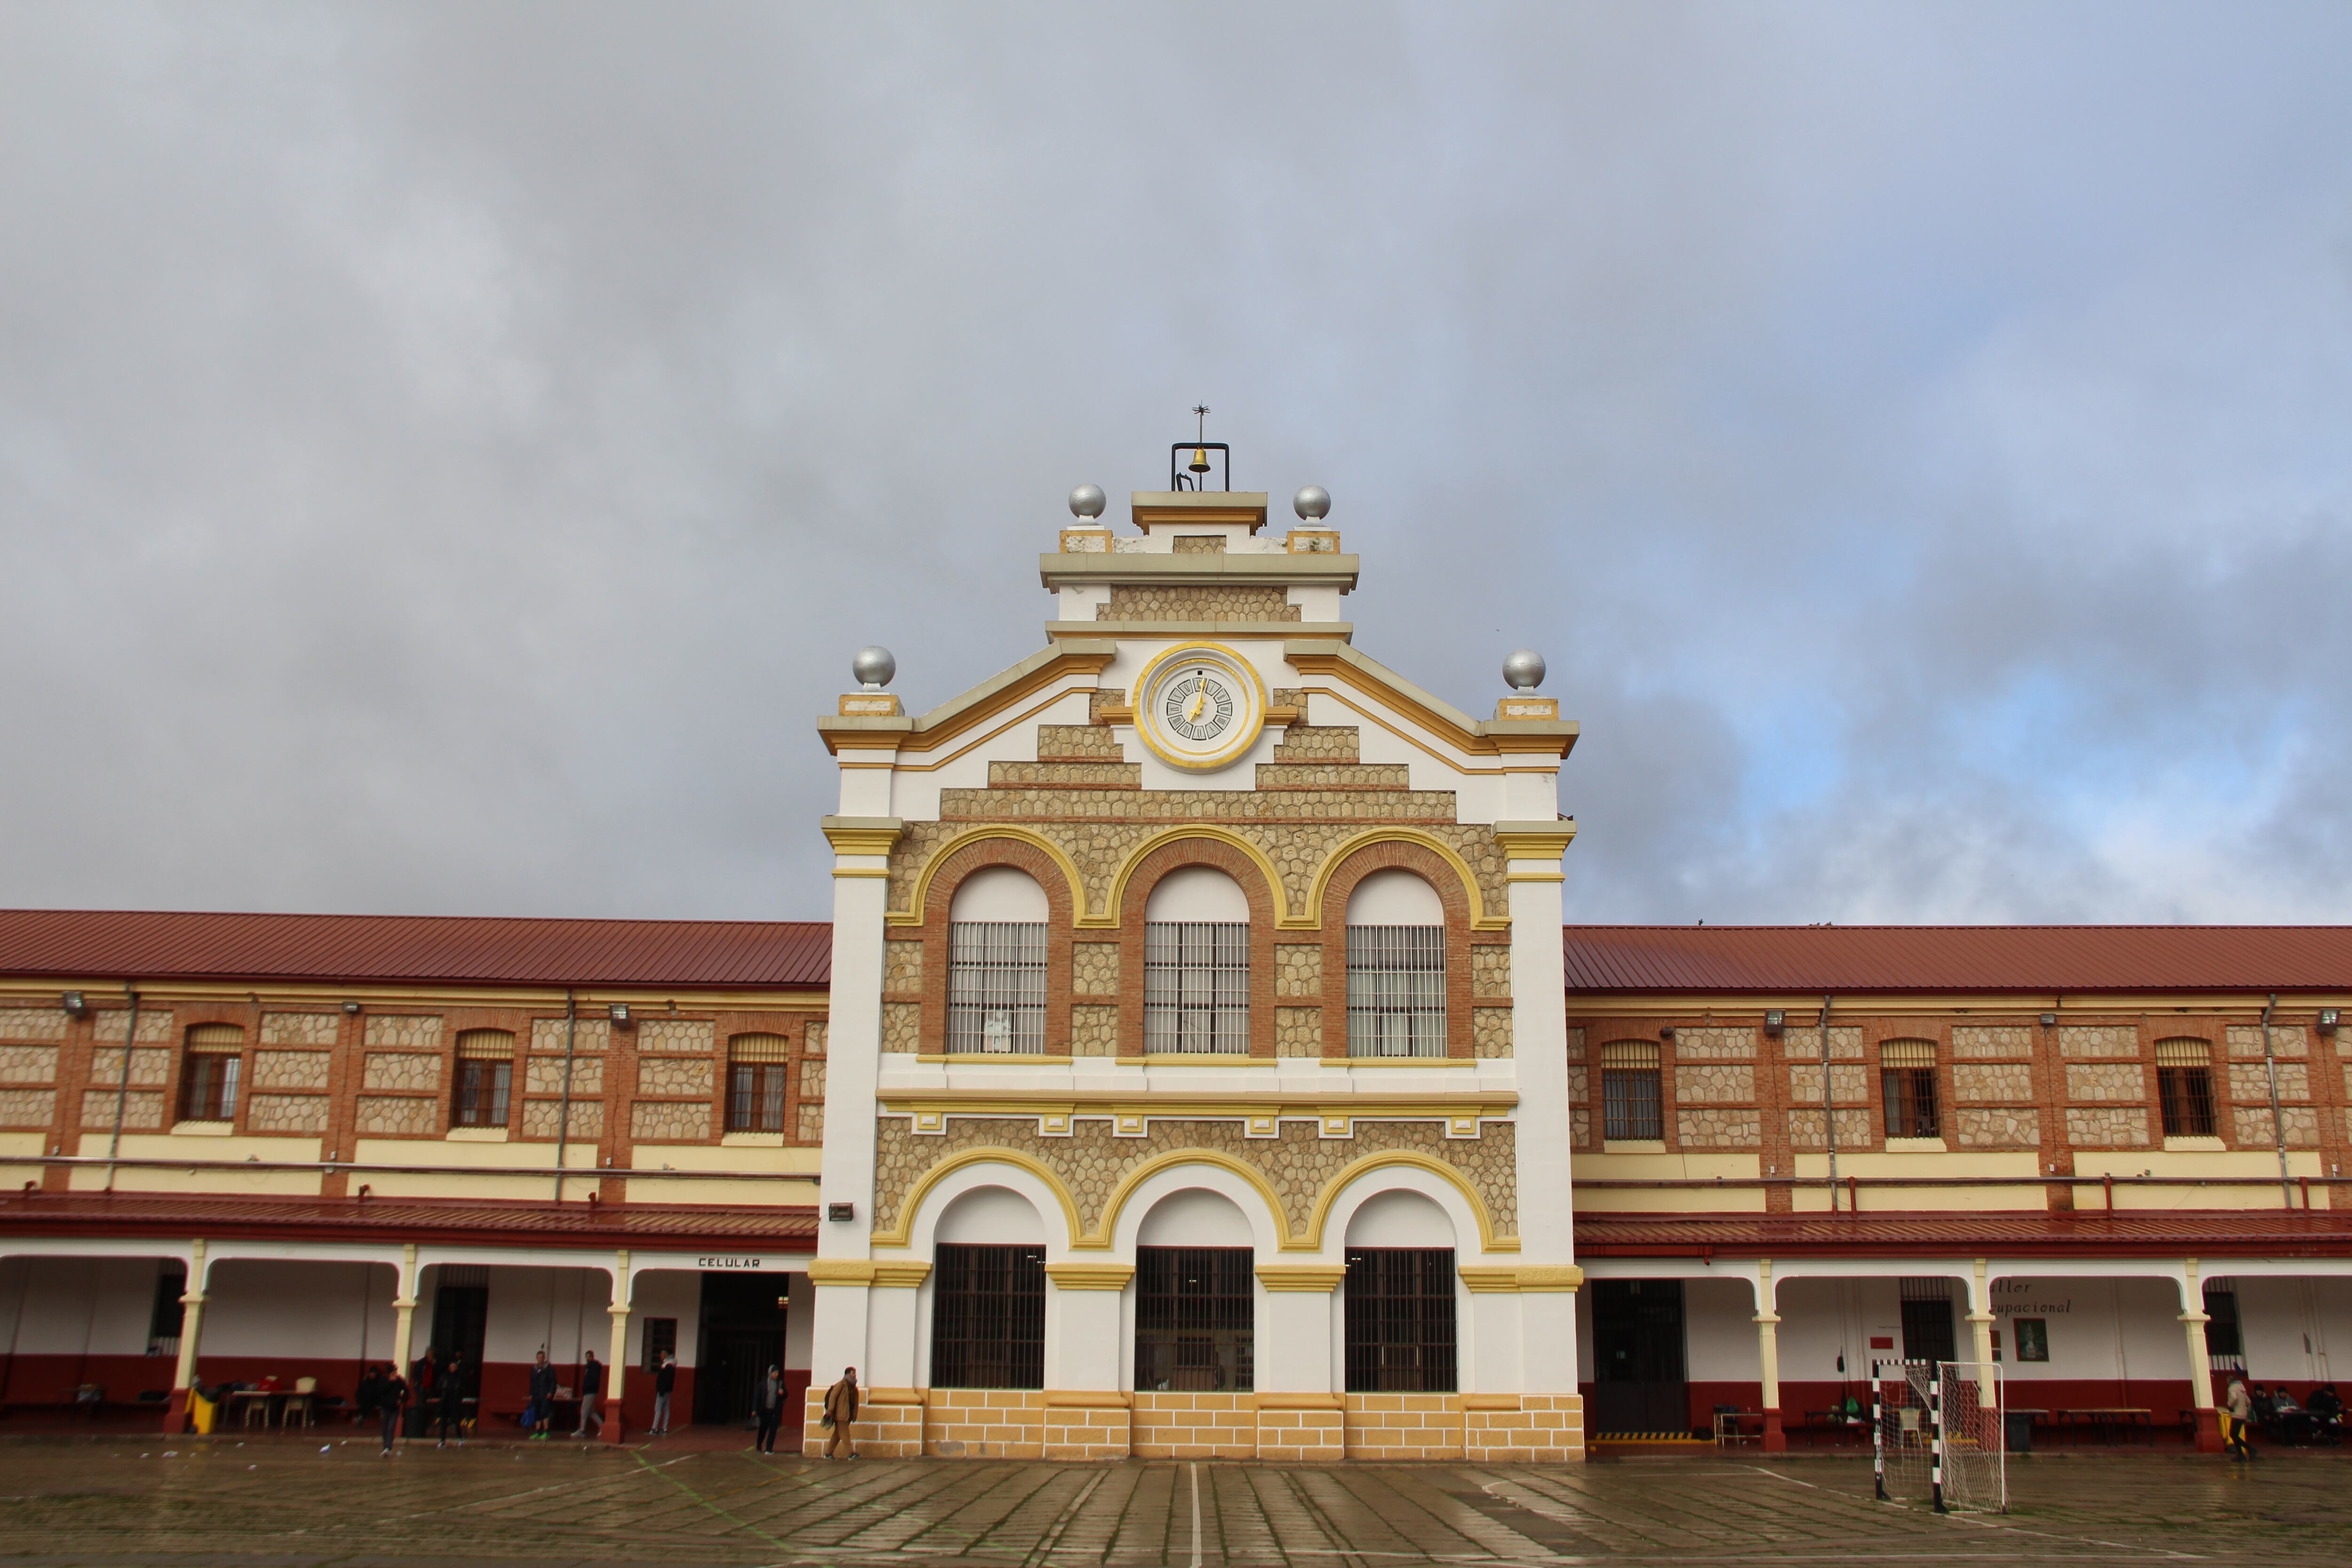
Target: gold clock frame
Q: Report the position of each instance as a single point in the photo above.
(1147, 706)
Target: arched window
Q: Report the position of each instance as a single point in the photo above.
(1196, 963)
(1907, 1077)
(757, 1066)
(996, 963)
(1629, 1092)
(1196, 1295)
(2184, 1087)
(485, 1078)
(1400, 1297)
(208, 1074)
(1396, 967)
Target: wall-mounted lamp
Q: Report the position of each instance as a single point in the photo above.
(841, 1211)
(76, 1008)
(2048, 1020)
(619, 1013)
(1775, 1020)
(2327, 1019)
(350, 1009)
(1666, 1031)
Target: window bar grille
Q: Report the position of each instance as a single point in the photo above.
(1195, 1318)
(996, 987)
(1196, 986)
(1396, 991)
(1630, 1091)
(1399, 1319)
(988, 1317)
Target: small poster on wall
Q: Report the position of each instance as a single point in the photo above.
(2033, 1338)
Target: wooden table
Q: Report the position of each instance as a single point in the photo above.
(1729, 1426)
(2112, 1422)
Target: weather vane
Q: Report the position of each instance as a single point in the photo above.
(1200, 446)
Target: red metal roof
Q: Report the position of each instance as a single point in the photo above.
(151, 946)
(451, 1220)
(2179, 1233)
(1808, 959)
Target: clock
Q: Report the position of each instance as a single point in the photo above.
(1200, 705)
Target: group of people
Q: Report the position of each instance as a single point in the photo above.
(769, 1402)
(438, 1384)
(2278, 1414)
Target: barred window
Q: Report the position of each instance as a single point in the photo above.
(988, 1317)
(1399, 1310)
(1629, 1090)
(208, 1074)
(757, 1066)
(2184, 1087)
(1927, 1321)
(1195, 1313)
(485, 1078)
(1906, 1079)
(996, 986)
(1196, 986)
(1396, 991)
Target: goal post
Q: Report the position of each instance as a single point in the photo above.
(1937, 1436)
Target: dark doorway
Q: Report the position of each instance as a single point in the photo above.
(460, 1315)
(1196, 1319)
(1927, 1321)
(742, 1336)
(1637, 1350)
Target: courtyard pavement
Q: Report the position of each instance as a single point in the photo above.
(284, 1501)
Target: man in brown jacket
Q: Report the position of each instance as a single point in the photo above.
(840, 1411)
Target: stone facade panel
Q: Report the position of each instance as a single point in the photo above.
(1319, 743)
(812, 1079)
(1490, 1031)
(1712, 1128)
(902, 967)
(2107, 1127)
(2250, 1082)
(812, 1123)
(2245, 1041)
(28, 1064)
(676, 1036)
(1334, 775)
(1064, 775)
(1992, 1042)
(2089, 1042)
(142, 1110)
(1490, 971)
(1992, 1083)
(1298, 969)
(401, 1070)
(541, 1117)
(155, 1026)
(2254, 1127)
(290, 1069)
(35, 1024)
(588, 1035)
(669, 1120)
(297, 1113)
(302, 1028)
(1576, 1043)
(544, 1075)
(1298, 1031)
(2105, 1080)
(1191, 602)
(1805, 1128)
(677, 1076)
(1981, 1128)
(1715, 1045)
(406, 1032)
(1094, 1031)
(813, 1039)
(1063, 743)
(397, 1115)
(1849, 1084)
(27, 1107)
(1094, 969)
(150, 1068)
(902, 1027)
(1718, 1084)
(1805, 1045)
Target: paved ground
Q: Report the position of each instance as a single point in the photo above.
(284, 1501)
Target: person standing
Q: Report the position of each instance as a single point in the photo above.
(389, 1401)
(591, 1394)
(451, 1403)
(841, 1413)
(2241, 1407)
(540, 1408)
(665, 1380)
(768, 1404)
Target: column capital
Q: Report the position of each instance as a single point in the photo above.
(1767, 1319)
(1323, 1276)
(1100, 1275)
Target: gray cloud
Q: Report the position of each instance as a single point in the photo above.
(447, 453)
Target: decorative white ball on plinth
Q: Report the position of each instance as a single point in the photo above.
(874, 667)
(1524, 671)
(1312, 503)
(1087, 502)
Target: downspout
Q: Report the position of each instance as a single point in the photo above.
(122, 1087)
(2278, 1122)
(1829, 1106)
(563, 1115)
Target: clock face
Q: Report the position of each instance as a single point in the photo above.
(1199, 706)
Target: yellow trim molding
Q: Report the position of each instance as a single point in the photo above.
(1479, 919)
(1489, 1241)
(899, 1276)
(862, 835)
(1152, 1167)
(913, 913)
(1087, 1399)
(1302, 1276)
(1109, 916)
(913, 1205)
(1486, 1278)
(1090, 1275)
(840, 1271)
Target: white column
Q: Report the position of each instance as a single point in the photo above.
(617, 1360)
(1295, 1346)
(2193, 1318)
(404, 1310)
(1981, 1321)
(1084, 1317)
(1539, 1060)
(192, 1319)
(852, 1065)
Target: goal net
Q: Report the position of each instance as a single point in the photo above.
(1937, 1437)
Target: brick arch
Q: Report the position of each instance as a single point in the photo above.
(1265, 905)
(1339, 885)
(968, 857)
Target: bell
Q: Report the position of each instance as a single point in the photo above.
(1200, 463)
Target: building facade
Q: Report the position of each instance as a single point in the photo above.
(1195, 1065)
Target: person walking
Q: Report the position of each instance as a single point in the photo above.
(768, 1404)
(451, 1403)
(591, 1394)
(389, 1401)
(2240, 1406)
(540, 1409)
(665, 1380)
(841, 1413)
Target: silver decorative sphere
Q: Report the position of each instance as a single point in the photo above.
(874, 667)
(1087, 501)
(1312, 504)
(1524, 669)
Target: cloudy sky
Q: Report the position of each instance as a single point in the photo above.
(449, 453)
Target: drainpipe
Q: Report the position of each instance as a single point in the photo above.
(1829, 1103)
(122, 1087)
(563, 1115)
(2278, 1122)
